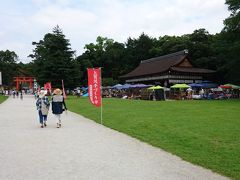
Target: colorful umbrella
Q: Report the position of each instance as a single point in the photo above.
(232, 86)
(208, 85)
(225, 86)
(117, 86)
(195, 85)
(180, 86)
(139, 86)
(125, 86)
(156, 87)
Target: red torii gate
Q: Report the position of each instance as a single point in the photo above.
(23, 79)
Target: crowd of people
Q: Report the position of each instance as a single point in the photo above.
(168, 93)
(122, 93)
(210, 94)
(14, 93)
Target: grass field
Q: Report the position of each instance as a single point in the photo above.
(206, 133)
(2, 98)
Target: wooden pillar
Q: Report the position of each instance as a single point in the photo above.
(17, 84)
(30, 83)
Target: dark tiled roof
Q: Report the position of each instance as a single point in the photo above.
(157, 65)
(192, 70)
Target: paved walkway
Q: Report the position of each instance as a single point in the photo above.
(80, 150)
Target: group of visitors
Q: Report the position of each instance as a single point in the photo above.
(122, 93)
(43, 104)
(17, 94)
(14, 93)
(210, 94)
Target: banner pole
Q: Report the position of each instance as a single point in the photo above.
(101, 94)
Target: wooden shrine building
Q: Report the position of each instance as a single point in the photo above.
(167, 70)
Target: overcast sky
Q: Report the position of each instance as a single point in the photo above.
(82, 21)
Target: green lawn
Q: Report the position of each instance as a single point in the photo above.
(206, 133)
(2, 98)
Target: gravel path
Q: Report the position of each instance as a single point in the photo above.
(80, 150)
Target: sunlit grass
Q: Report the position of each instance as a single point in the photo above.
(206, 133)
(2, 98)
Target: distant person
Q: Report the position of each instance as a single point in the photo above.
(35, 94)
(189, 93)
(58, 106)
(201, 93)
(78, 92)
(21, 95)
(42, 107)
(14, 93)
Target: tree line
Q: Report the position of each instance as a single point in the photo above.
(54, 60)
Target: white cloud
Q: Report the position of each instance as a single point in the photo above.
(82, 21)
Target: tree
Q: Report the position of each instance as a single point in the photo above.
(138, 50)
(95, 52)
(85, 63)
(104, 53)
(25, 69)
(8, 66)
(230, 38)
(53, 60)
(113, 57)
(232, 23)
(201, 51)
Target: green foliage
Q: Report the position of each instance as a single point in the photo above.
(218, 52)
(53, 60)
(105, 53)
(25, 69)
(230, 36)
(234, 5)
(200, 49)
(109, 82)
(8, 66)
(138, 50)
(171, 44)
(202, 132)
(113, 58)
(232, 23)
(118, 59)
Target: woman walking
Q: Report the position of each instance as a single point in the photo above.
(58, 106)
(42, 107)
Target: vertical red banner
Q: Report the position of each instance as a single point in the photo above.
(48, 86)
(94, 86)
